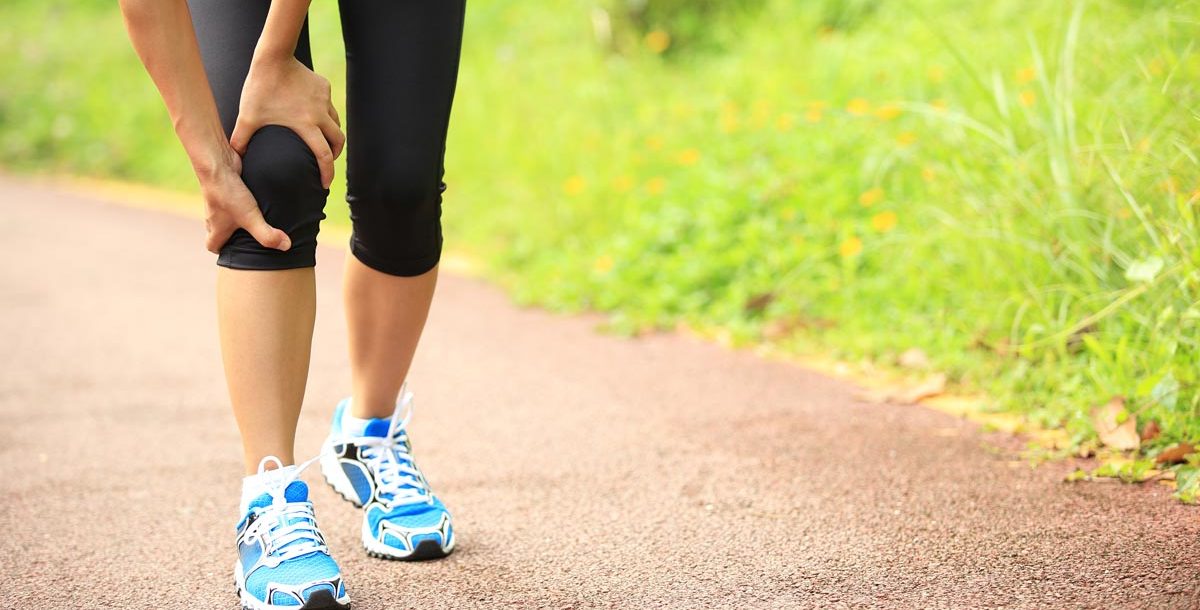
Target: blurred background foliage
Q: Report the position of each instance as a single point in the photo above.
(689, 25)
(1010, 186)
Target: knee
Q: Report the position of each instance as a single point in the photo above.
(397, 220)
(398, 183)
(282, 173)
(280, 166)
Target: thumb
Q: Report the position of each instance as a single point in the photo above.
(265, 234)
(240, 137)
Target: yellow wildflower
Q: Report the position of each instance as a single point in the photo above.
(858, 106)
(622, 184)
(688, 157)
(1156, 66)
(1028, 98)
(656, 185)
(850, 247)
(574, 185)
(658, 41)
(887, 112)
(884, 221)
(871, 196)
(785, 122)
(603, 264)
(1026, 74)
(906, 138)
(729, 124)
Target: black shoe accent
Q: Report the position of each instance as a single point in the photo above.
(323, 600)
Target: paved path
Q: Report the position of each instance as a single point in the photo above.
(584, 471)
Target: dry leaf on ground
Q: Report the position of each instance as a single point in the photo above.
(759, 302)
(781, 328)
(914, 358)
(1175, 455)
(874, 396)
(1150, 431)
(1116, 427)
(933, 385)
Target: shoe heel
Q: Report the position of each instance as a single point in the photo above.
(336, 477)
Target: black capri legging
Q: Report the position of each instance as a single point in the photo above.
(401, 67)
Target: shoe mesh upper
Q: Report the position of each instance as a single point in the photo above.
(304, 573)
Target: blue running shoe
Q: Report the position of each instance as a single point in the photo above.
(374, 469)
(282, 558)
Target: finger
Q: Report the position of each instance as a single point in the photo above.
(240, 138)
(263, 233)
(334, 135)
(217, 236)
(315, 139)
(334, 113)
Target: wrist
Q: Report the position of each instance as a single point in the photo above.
(212, 165)
(270, 54)
(206, 146)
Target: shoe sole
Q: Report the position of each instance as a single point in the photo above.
(426, 550)
(337, 479)
(320, 600)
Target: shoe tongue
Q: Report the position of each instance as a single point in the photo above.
(378, 428)
(297, 491)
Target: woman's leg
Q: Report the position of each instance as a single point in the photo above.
(385, 315)
(266, 301)
(401, 66)
(266, 325)
(265, 298)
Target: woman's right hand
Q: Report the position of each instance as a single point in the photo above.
(230, 206)
(279, 90)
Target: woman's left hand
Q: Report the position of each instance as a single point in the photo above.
(285, 92)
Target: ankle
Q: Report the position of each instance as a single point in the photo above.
(353, 422)
(370, 408)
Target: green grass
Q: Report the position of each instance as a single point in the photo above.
(1011, 186)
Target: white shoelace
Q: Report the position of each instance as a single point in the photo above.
(286, 529)
(396, 475)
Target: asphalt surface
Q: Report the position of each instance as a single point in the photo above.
(583, 470)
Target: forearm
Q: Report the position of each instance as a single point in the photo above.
(281, 31)
(162, 36)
